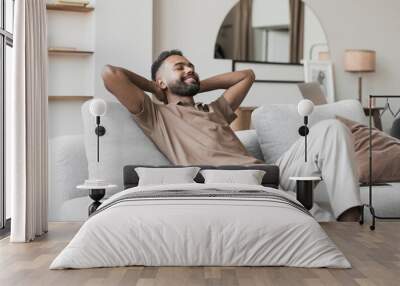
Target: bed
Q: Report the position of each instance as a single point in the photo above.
(198, 224)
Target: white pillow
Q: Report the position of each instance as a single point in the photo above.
(247, 177)
(164, 176)
(277, 124)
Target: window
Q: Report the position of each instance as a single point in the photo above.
(6, 44)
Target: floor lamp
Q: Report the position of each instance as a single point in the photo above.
(359, 61)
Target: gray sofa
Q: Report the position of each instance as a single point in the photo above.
(72, 159)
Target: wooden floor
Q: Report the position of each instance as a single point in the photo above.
(375, 257)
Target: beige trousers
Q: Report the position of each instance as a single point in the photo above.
(330, 155)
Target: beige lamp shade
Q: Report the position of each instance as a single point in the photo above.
(359, 60)
(324, 56)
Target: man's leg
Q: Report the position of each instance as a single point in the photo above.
(330, 155)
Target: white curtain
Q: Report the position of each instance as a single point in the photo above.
(26, 123)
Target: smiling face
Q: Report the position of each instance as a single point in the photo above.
(177, 75)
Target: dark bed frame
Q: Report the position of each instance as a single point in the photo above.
(270, 179)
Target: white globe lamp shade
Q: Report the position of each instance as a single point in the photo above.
(98, 107)
(305, 107)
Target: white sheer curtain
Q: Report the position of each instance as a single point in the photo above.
(26, 119)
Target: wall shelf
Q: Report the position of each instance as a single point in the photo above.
(53, 51)
(70, 54)
(70, 8)
(69, 97)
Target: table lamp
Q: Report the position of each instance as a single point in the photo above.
(305, 108)
(97, 187)
(305, 184)
(359, 61)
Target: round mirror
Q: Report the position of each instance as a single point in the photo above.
(279, 31)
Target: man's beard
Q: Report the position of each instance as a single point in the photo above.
(184, 89)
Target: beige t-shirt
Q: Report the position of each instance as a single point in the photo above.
(191, 135)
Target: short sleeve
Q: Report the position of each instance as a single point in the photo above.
(224, 108)
(147, 117)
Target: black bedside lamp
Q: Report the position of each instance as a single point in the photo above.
(305, 108)
(305, 185)
(98, 108)
(97, 187)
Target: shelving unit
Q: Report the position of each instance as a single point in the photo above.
(71, 39)
(70, 8)
(59, 45)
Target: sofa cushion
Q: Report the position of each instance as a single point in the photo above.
(250, 142)
(67, 169)
(277, 125)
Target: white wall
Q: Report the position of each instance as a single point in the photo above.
(270, 13)
(69, 75)
(366, 24)
(314, 35)
(278, 46)
(118, 34)
(123, 37)
(64, 118)
(192, 26)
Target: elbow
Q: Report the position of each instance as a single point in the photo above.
(108, 72)
(107, 76)
(111, 75)
(251, 75)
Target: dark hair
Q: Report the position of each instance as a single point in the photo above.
(161, 58)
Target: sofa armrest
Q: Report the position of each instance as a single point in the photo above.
(68, 168)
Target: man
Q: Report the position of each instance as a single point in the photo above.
(190, 133)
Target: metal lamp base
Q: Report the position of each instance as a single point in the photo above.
(304, 193)
(96, 195)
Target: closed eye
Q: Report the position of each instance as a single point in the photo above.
(180, 66)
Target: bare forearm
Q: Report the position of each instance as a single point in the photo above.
(141, 82)
(226, 80)
(236, 85)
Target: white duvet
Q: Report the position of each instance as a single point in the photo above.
(200, 231)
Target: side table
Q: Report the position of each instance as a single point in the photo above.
(96, 193)
(304, 190)
(376, 115)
